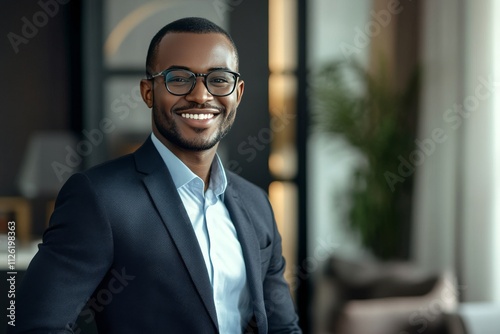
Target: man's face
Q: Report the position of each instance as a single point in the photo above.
(174, 117)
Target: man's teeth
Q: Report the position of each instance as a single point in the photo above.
(198, 116)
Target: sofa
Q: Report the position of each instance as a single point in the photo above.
(370, 297)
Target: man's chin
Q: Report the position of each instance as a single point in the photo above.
(195, 144)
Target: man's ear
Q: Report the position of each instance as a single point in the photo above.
(240, 88)
(147, 92)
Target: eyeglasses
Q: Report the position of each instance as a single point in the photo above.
(181, 82)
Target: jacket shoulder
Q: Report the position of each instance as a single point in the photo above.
(112, 171)
(113, 166)
(143, 160)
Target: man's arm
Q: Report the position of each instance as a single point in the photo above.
(75, 255)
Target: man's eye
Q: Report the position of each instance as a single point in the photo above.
(219, 80)
(178, 80)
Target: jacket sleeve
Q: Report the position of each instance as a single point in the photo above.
(72, 260)
(281, 314)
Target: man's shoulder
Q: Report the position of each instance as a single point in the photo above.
(116, 173)
(124, 164)
(144, 158)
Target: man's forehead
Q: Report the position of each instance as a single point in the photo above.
(196, 47)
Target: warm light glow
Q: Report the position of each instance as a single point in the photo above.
(282, 107)
(282, 195)
(282, 92)
(283, 162)
(282, 35)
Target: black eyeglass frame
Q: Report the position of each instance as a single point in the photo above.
(196, 75)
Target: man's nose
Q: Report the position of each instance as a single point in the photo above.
(200, 93)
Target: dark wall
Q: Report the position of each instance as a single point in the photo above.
(248, 148)
(36, 48)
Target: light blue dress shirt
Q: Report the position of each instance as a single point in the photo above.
(217, 239)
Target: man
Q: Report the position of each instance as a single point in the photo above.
(164, 240)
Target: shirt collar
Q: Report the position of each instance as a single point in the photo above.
(182, 175)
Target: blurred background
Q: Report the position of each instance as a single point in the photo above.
(372, 124)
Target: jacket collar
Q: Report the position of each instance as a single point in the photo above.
(164, 195)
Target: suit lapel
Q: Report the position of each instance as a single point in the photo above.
(163, 192)
(250, 247)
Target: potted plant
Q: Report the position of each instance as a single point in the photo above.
(379, 121)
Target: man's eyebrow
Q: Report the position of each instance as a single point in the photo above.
(180, 67)
(220, 68)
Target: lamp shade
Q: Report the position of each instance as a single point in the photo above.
(45, 167)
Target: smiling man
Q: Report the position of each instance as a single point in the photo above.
(164, 240)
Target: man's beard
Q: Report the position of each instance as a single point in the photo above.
(169, 130)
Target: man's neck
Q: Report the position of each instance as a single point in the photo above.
(199, 162)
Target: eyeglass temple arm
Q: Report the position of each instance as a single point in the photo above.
(149, 76)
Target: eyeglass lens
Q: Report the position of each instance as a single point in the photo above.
(218, 83)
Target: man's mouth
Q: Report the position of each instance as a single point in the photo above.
(197, 116)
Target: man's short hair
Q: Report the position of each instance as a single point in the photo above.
(196, 25)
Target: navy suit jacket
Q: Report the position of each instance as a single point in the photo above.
(121, 244)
